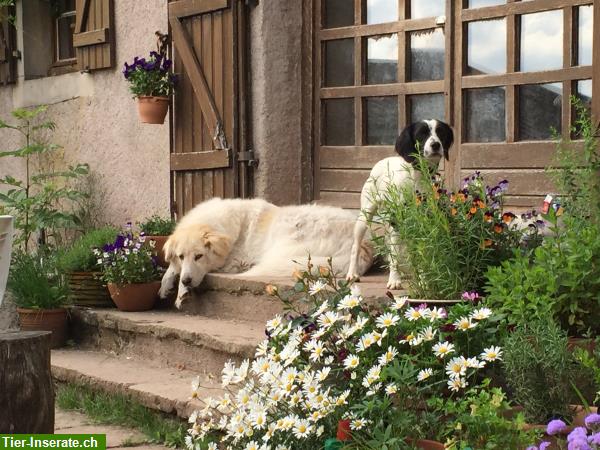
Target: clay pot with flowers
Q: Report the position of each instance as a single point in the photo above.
(152, 84)
(130, 270)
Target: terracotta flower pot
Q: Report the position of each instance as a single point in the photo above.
(88, 290)
(54, 320)
(584, 343)
(135, 296)
(160, 243)
(424, 444)
(153, 109)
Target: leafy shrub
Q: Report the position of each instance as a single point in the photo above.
(157, 226)
(35, 281)
(539, 369)
(79, 257)
(448, 239)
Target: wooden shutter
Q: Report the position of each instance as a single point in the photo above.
(7, 47)
(93, 38)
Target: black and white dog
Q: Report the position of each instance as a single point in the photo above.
(433, 140)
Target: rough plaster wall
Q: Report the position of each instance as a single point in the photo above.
(276, 33)
(130, 159)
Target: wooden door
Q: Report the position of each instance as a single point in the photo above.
(208, 137)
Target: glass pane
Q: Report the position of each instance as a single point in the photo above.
(339, 62)
(542, 41)
(382, 59)
(482, 3)
(381, 120)
(427, 8)
(427, 55)
(426, 106)
(583, 90)
(584, 34)
(485, 115)
(381, 11)
(66, 26)
(64, 6)
(540, 110)
(486, 48)
(338, 126)
(338, 13)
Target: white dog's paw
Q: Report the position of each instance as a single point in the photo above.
(164, 292)
(182, 298)
(352, 276)
(394, 282)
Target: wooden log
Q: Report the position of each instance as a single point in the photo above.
(26, 389)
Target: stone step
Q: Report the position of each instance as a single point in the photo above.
(167, 338)
(164, 389)
(228, 296)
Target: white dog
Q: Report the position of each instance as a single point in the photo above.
(433, 139)
(257, 238)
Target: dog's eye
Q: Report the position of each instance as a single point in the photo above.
(181, 257)
(198, 256)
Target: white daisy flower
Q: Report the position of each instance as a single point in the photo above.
(413, 314)
(465, 323)
(316, 287)
(424, 374)
(302, 428)
(388, 356)
(351, 362)
(455, 384)
(365, 342)
(328, 319)
(349, 301)
(358, 424)
(491, 354)
(428, 334)
(481, 314)
(391, 388)
(442, 349)
(399, 302)
(456, 367)
(274, 323)
(437, 313)
(387, 320)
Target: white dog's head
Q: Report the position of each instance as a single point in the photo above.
(432, 138)
(194, 251)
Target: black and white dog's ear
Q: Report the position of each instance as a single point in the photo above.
(446, 135)
(405, 144)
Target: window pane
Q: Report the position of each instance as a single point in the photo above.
(584, 32)
(485, 115)
(486, 48)
(542, 41)
(427, 55)
(427, 8)
(381, 11)
(66, 26)
(338, 13)
(338, 126)
(382, 120)
(339, 62)
(64, 6)
(539, 110)
(583, 89)
(426, 106)
(382, 59)
(482, 3)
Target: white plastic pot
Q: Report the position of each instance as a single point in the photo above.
(6, 238)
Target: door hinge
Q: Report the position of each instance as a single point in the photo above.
(248, 157)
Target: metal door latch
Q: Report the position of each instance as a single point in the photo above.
(248, 157)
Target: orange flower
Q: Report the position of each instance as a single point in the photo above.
(323, 271)
(461, 197)
(479, 203)
(486, 243)
(298, 275)
(418, 200)
(453, 211)
(452, 197)
(473, 209)
(498, 228)
(488, 217)
(508, 217)
(270, 289)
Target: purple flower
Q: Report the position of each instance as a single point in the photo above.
(579, 444)
(592, 419)
(594, 438)
(503, 185)
(577, 433)
(555, 427)
(544, 445)
(532, 447)
(471, 296)
(167, 63)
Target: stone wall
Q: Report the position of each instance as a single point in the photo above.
(96, 122)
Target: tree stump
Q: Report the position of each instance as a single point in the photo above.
(26, 389)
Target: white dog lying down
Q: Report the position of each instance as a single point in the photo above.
(259, 239)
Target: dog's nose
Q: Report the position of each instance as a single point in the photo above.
(186, 281)
(435, 146)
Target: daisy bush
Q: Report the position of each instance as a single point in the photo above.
(333, 357)
(449, 238)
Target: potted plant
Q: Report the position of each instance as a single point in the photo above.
(82, 268)
(158, 229)
(129, 267)
(40, 292)
(152, 84)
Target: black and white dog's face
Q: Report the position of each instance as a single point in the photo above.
(431, 138)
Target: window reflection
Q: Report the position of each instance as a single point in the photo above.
(427, 55)
(338, 123)
(427, 8)
(540, 110)
(542, 41)
(485, 111)
(426, 106)
(583, 89)
(338, 13)
(381, 11)
(486, 48)
(382, 59)
(584, 35)
(482, 3)
(381, 120)
(339, 62)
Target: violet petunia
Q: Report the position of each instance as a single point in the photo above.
(555, 427)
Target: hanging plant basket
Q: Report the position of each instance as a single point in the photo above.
(153, 109)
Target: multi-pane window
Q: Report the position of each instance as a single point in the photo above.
(64, 25)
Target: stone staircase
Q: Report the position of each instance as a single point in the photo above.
(154, 356)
